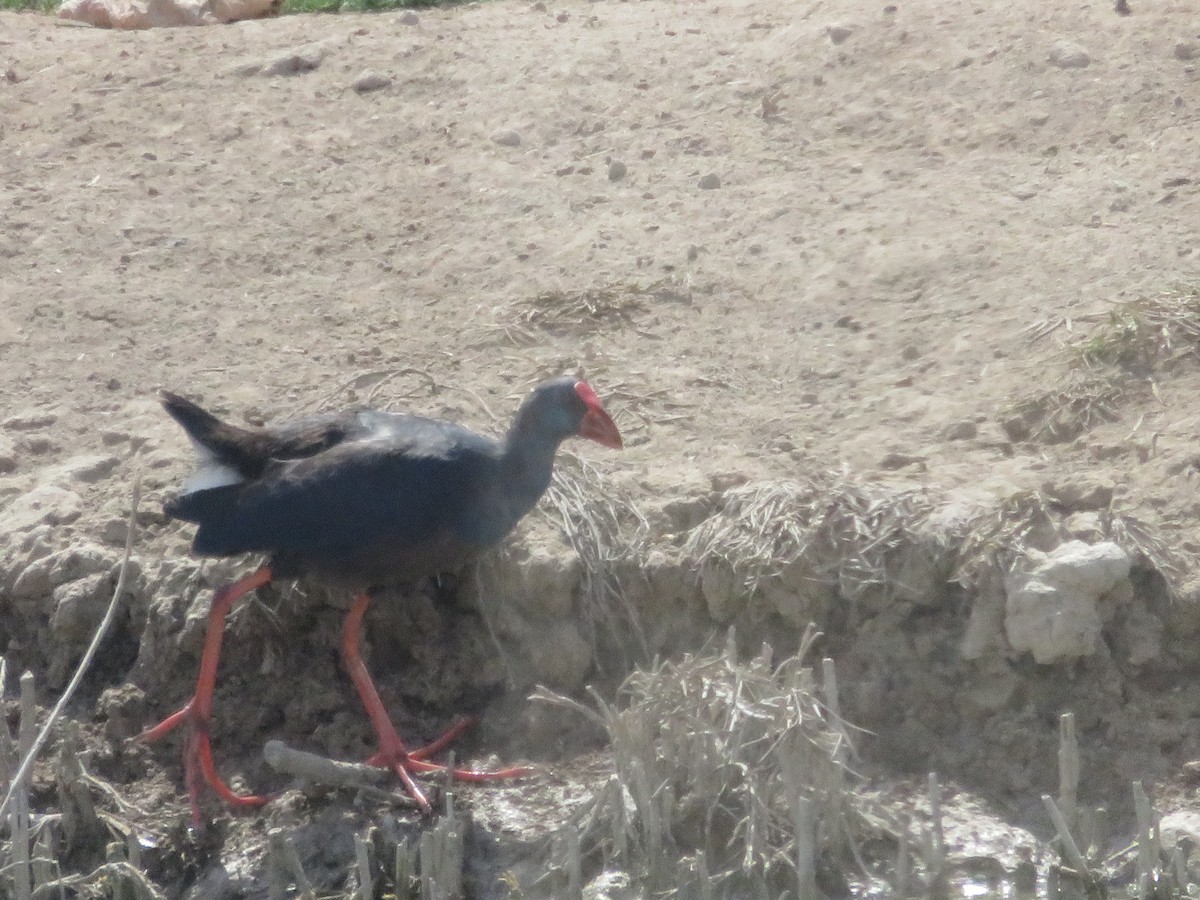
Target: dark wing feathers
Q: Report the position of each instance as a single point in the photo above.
(344, 502)
(325, 489)
(400, 489)
(249, 451)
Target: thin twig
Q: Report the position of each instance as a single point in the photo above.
(89, 655)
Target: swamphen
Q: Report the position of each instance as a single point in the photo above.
(360, 499)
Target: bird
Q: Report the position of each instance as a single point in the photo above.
(359, 499)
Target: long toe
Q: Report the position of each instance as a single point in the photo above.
(208, 770)
(448, 737)
(199, 768)
(418, 759)
(395, 756)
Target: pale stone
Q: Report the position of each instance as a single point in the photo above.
(138, 14)
(1054, 611)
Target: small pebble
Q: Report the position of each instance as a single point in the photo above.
(616, 170)
(848, 322)
(710, 182)
(507, 138)
(960, 431)
(1016, 427)
(410, 18)
(370, 80)
(1069, 55)
(839, 33)
(1186, 51)
(897, 460)
(296, 62)
(112, 436)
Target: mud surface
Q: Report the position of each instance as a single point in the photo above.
(851, 238)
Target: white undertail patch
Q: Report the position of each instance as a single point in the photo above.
(210, 472)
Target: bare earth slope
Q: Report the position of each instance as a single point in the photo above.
(778, 238)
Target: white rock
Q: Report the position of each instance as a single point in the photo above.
(1093, 569)
(1055, 610)
(1051, 625)
(138, 14)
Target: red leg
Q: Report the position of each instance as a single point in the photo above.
(196, 713)
(393, 754)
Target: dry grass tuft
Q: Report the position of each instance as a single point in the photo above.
(729, 778)
(997, 536)
(1146, 332)
(1109, 364)
(994, 539)
(609, 534)
(841, 531)
(1146, 548)
(1064, 412)
(584, 311)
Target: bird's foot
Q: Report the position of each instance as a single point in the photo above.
(405, 763)
(199, 768)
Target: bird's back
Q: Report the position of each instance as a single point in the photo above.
(353, 496)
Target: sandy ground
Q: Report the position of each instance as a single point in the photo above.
(778, 239)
